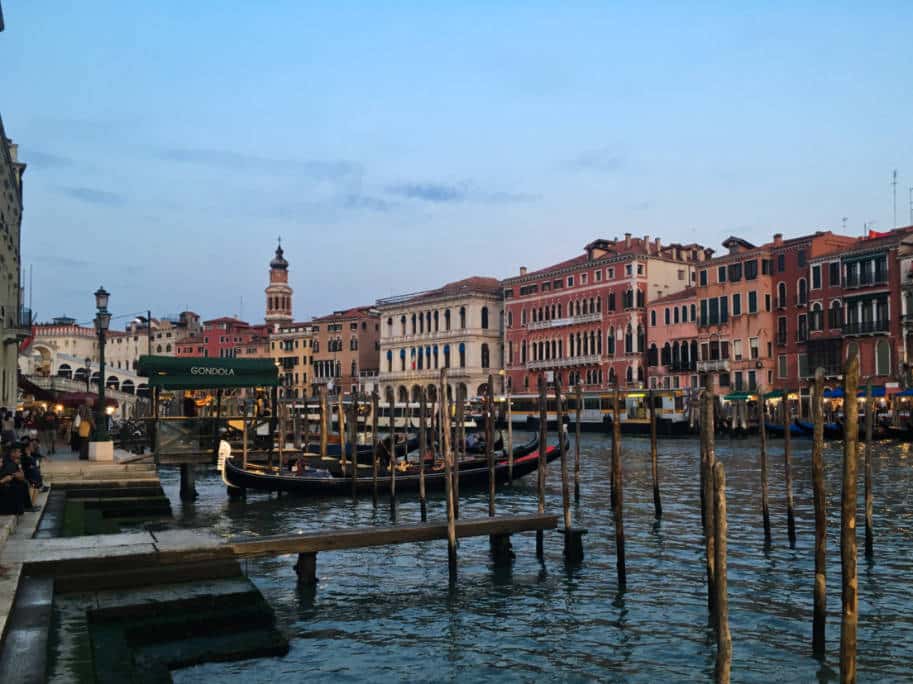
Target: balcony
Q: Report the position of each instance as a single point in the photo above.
(865, 281)
(570, 320)
(865, 327)
(718, 366)
(18, 327)
(588, 360)
(431, 374)
(681, 367)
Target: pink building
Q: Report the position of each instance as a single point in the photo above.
(672, 351)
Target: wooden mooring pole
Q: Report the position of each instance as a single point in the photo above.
(448, 465)
(848, 558)
(459, 450)
(869, 419)
(543, 449)
(616, 444)
(341, 424)
(499, 543)
(306, 429)
(708, 459)
(721, 603)
(510, 439)
(354, 424)
(393, 451)
(573, 538)
(788, 472)
(324, 422)
(618, 474)
(422, 449)
(819, 620)
(578, 393)
(375, 407)
(765, 506)
(657, 503)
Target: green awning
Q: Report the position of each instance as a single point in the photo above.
(776, 394)
(739, 396)
(172, 373)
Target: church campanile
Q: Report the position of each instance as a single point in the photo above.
(278, 294)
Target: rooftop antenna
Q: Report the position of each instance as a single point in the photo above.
(241, 314)
(843, 221)
(894, 189)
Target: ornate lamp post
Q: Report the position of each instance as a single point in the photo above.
(88, 372)
(102, 321)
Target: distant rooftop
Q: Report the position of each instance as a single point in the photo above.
(471, 285)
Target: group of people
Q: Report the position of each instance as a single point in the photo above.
(20, 465)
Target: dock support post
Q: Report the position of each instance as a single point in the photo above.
(188, 486)
(869, 417)
(501, 550)
(788, 475)
(459, 450)
(324, 422)
(618, 473)
(765, 507)
(306, 568)
(819, 619)
(543, 455)
(654, 467)
(422, 451)
(724, 638)
(375, 407)
(708, 458)
(448, 465)
(848, 550)
(489, 447)
(577, 428)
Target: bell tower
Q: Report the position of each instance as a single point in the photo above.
(278, 294)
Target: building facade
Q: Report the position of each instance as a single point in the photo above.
(291, 347)
(457, 326)
(15, 321)
(672, 335)
(278, 293)
(224, 338)
(345, 344)
(585, 319)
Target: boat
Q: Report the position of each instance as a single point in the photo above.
(831, 430)
(316, 482)
(776, 430)
(365, 451)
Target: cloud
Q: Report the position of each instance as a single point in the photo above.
(365, 203)
(601, 159)
(641, 206)
(44, 159)
(442, 193)
(94, 196)
(228, 159)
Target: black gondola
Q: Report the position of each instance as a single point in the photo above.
(365, 451)
(324, 483)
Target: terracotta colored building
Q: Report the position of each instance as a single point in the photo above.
(585, 319)
(224, 337)
(345, 345)
(672, 334)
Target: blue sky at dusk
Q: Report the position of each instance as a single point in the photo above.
(399, 146)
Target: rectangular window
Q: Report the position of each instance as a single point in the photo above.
(598, 276)
(781, 366)
(583, 278)
(751, 269)
(735, 272)
(703, 278)
(752, 381)
(754, 348)
(721, 274)
(767, 302)
(738, 381)
(765, 267)
(752, 302)
(803, 366)
(781, 263)
(724, 379)
(570, 281)
(611, 273)
(704, 320)
(714, 311)
(640, 269)
(681, 274)
(724, 309)
(816, 276)
(800, 258)
(737, 350)
(737, 304)
(833, 274)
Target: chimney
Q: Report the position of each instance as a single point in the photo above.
(646, 244)
(523, 270)
(628, 240)
(778, 239)
(657, 246)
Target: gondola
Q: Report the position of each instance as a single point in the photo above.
(365, 451)
(479, 446)
(323, 483)
(776, 430)
(831, 430)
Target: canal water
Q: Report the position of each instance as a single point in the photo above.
(387, 614)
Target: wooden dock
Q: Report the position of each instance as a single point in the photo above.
(137, 558)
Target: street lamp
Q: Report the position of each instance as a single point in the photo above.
(88, 372)
(102, 321)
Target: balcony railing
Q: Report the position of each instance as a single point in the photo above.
(713, 366)
(569, 320)
(588, 360)
(681, 366)
(865, 327)
(18, 327)
(428, 373)
(866, 280)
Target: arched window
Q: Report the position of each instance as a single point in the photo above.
(167, 349)
(414, 325)
(781, 296)
(653, 318)
(675, 314)
(437, 321)
(389, 361)
(462, 317)
(629, 376)
(610, 342)
(158, 349)
(640, 374)
(666, 355)
(882, 358)
(666, 316)
(485, 320)
(852, 349)
(803, 292)
(640, 339)
(684, 314)
(629, 340)
(447, 319)
(402, 359)
(390, 326)
(462, 349)
(835, 315)
(612, 377)
(817, 318)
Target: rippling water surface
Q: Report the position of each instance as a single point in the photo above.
(388, 614)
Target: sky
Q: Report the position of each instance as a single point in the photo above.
(398, 146)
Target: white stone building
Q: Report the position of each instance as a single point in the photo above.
(457, 327)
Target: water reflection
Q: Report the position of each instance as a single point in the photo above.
(382, 614)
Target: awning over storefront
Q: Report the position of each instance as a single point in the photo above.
(739, 396)
(167, 372)
(877, 391)
(836, 393)
(775, 394)
(905, 393)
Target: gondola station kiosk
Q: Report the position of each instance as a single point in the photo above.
(187, 440)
